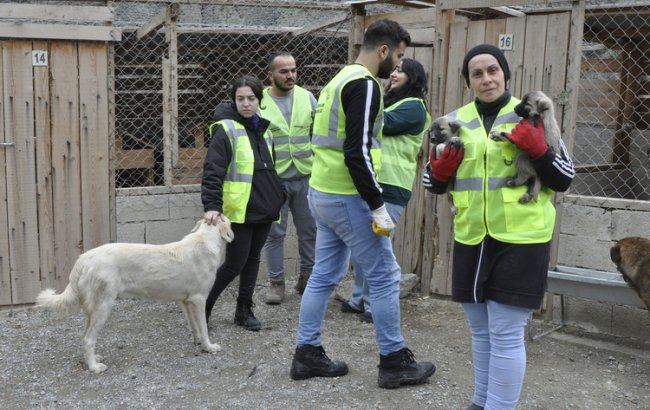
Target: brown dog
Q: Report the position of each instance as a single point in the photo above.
(632, 257)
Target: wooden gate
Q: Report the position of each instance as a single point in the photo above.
(55, 188)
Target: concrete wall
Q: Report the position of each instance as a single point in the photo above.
(589, 227)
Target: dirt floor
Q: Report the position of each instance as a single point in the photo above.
(152, 362)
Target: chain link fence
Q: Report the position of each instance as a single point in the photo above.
(216, 44)
(612, 142)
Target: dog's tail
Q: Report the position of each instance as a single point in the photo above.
(66, 302)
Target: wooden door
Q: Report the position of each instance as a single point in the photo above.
(54, 192)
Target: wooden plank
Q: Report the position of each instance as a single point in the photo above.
(568, 125)
(112, 206)
(170, 101)
(533, 53)
(555, 60)
(469, 4)
(421, 36)
(492, 30)
(456, 86)
(355, 36)
(44, 170)
(158, 20)
(56, 12)
(65, 158)
(94, 153)
(475, 36)
(59, 32)
(517, 27)
(408, 18)
(21, 168)
(5, 278)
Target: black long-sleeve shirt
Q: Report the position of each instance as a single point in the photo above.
(361, 101)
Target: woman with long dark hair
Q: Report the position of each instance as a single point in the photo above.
(240, 181)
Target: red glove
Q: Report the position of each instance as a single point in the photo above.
(443, 168)
(529, 138)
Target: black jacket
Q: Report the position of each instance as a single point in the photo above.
(267, 195)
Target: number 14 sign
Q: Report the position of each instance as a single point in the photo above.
(39, 58)
(505, 41)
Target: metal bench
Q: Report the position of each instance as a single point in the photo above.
(589, 284)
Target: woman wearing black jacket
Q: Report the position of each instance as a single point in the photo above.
(240, 181)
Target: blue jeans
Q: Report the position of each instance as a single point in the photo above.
(343, 228)
(305, 229)
(498, 353)
(360, 294)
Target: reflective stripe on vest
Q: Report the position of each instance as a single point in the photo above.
(399, 153)
(485, 204)
(239, 177)
(329, 173)
(292, 141)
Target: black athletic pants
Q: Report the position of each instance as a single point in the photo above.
(243, 259)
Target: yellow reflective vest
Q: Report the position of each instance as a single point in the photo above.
(329, 173)
(399, 153)
(292, 141)
(239, 175)
(485, 204)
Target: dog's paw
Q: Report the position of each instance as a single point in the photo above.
(498, 136)
(211, 348)
(525, 198)
(97, 368)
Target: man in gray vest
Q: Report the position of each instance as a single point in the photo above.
(290, 109)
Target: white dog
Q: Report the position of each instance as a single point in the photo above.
(182, 271)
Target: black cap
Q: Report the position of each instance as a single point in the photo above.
(486, 49)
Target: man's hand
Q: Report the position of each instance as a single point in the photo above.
(529, 138)
(383, 222)
(443, 168)
(211, 217)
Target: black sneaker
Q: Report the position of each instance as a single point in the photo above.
(346, 307)
(311, 361)
(474, 407)
(245, 317)
(366, 317)
(400, 368)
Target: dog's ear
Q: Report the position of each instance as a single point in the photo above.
(196, 226)
(454, 126)
(224, 229)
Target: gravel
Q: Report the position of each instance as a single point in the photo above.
(153, 364)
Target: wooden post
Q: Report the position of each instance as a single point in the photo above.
(355, 38)
(170, 94)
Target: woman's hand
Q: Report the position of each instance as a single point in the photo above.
(529, 138)
(443, 168)
(211, 217)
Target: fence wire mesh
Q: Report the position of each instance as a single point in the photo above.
(216, 44)
(612, 142)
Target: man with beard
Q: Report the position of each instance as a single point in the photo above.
(290, 109)
(346, 202)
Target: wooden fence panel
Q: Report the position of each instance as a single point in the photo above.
(517, 27)
(65, 158)
(44, 171)
(533, 56)
(555, 58)
(94, 145)
(5, 277)
(20, 166)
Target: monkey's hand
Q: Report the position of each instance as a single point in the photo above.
(528, 138)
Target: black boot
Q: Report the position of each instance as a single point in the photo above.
(303, 278)
(311, 361)
(244, 316)
(400, 368)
